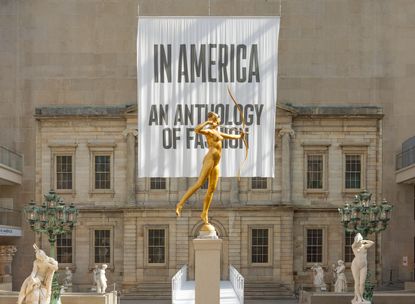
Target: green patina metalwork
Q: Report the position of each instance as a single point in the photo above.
(365, 217)
(52, 218)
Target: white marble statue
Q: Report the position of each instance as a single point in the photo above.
(102, 279)
(318, 281)
(359, 267)
(94, 278)
(341, 283)
(67, 282)
(37, 287)
(333, 274)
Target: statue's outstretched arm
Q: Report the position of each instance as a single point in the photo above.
(233, 136)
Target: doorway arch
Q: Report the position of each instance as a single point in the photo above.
(224, 259)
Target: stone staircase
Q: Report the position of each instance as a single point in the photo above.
(148, 291)
(266, 291)
(162, 291)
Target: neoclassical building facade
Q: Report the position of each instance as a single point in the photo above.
(273, 229)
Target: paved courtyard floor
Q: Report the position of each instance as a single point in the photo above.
(281, 301)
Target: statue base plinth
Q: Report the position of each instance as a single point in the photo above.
(208, 232)
(360, 302)
(207, 270)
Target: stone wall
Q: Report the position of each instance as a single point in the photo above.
(284, 207)
(331, 52)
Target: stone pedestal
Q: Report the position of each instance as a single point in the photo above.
(360, 302)
(6, 257)
(207, 270)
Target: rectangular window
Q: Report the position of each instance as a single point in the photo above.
(259, 245)
(348, 241)
(63, 172)
(64, 248)
(314, 245)
(102, 172)
(314, 171)
(259, 183)
(156, 246)
(205, 184)
(157, 183)
(102, 246)
(353, 171)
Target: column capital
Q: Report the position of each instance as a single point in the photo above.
(128, 131)
(7, 250)
(285, 131)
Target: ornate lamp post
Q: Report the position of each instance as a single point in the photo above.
(365, 217)
(53, 217)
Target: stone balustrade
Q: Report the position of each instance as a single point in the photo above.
(69, 298)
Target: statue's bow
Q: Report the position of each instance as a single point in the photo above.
(243, 130)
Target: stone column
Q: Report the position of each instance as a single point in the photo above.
(207, 270)
(286, 134)
(234, 190)
(182, 185)
(130, 135)
(6, 257)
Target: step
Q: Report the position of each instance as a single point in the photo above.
(266, 291)
(148, 291)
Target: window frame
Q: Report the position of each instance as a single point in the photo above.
(56, 173)
(72, 264)
(307, 264)
(205, 185)
(259, 189)
(157, 189)
(101, 150)
(362, 152)
(97, 155)
(347, 263)
(62, 150)
(92, 230)
(316, 149)
(147, 228)
(270, 245)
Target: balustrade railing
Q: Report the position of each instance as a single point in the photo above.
(405, 158)
(10, 159)
(177, 281)
(238, 283)
(10, 217)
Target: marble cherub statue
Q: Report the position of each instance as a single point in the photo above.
(67, 282)
(37, 287)
(101, 279)
(341, 283)
(318, 280)
(94, 278)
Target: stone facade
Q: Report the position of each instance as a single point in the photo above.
(285, 207)
(333, 52)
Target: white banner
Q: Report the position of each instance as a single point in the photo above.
(185, 66)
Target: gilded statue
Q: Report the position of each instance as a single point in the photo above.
(210, 167)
